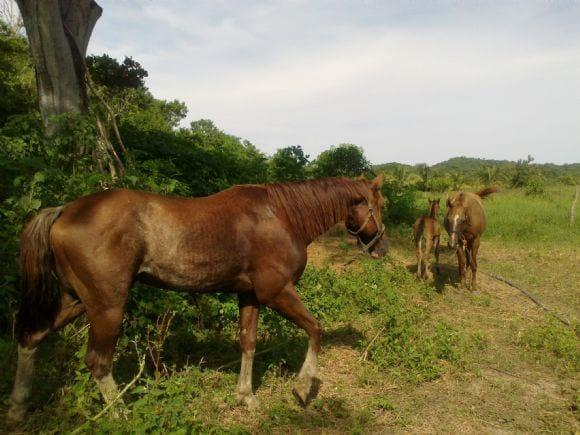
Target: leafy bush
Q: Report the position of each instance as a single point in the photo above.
(535, 186)
(401, 203)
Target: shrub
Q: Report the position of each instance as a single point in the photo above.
(401, 203)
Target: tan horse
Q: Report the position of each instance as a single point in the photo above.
(250, 240)
(465, 222)
(427, 229)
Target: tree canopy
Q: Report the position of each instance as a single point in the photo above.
(346, 160)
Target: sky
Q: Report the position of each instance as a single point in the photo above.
(408, 81)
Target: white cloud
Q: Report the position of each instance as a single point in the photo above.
(397, 78)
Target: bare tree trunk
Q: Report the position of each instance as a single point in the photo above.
(59, 33)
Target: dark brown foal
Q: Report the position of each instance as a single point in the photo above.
(249, 240)
(428, 231)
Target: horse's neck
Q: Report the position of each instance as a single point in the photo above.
(315, 214)
(331, 218)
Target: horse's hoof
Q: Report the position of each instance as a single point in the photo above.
(305, 390)
(250, 401)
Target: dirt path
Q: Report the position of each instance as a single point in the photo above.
(507, 389)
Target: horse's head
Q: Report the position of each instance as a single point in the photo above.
(365, 219)
(456, 219)
(434, 207)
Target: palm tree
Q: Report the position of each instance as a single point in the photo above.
(457, 179)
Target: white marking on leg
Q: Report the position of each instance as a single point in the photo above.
(108, 388)
(310, 366)
(22, 383)
(245, 380)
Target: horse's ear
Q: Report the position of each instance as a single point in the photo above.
(448, 201)
(378, 181)
(361, 177)
(438, 200)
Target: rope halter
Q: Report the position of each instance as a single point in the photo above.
(380, 226)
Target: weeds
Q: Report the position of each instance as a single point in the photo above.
(554, 339)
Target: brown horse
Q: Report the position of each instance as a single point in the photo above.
(427, 228)
(249, 240)
(465, 222)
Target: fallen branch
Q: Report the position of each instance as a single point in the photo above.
(365, 353)
(531, 296)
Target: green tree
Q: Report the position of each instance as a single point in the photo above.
(345, 160)
(288, 164)
(109, 72)
(17, 84)
(424, 171)
(457, 179)
(489, 175)
(523, 172)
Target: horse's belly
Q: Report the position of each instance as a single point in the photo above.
(191, 275)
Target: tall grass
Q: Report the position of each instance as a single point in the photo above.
(515, 217)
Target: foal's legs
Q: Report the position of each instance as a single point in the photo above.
(473, 262)
(289, 305)
(249, 310)
(428, 266)
(70, 310)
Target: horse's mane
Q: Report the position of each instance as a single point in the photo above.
(313, 206)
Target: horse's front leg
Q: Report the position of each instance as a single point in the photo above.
(473, 262)
(249, 310)
(288, 303)
(461, 264)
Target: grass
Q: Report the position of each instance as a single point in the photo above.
(515, 218)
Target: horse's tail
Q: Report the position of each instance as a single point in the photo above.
(487, 191)
(39, 302)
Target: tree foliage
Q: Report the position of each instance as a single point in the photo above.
(288, 164)
(346, 160)
(17, 83)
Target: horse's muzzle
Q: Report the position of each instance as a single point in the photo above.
(452, 243)
(380, 249)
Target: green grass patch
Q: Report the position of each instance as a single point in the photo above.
(556, 341)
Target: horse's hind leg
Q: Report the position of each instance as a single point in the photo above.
(249, 310)
(289, 305)
(70, 310)
(105, 327)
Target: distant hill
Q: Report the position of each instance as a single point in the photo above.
(471, 165)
